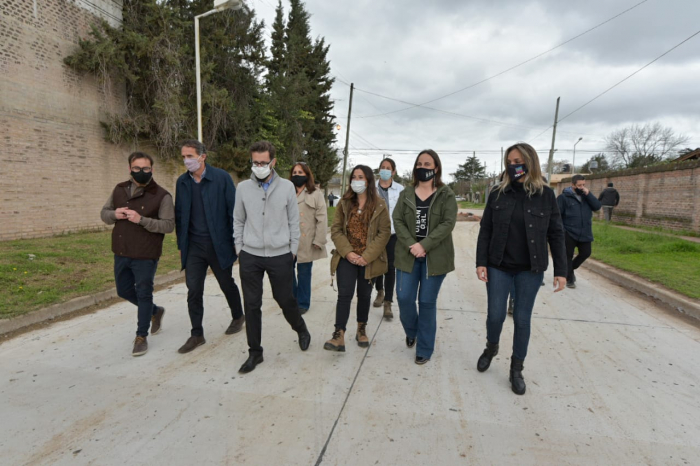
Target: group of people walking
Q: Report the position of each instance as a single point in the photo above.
(397, 239)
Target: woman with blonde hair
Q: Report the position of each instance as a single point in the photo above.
(520, 218)
(360, 231)
(313, 227)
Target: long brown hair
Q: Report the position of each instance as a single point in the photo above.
(533, 181)
(437, 181)
(371, 191)
(310, 184)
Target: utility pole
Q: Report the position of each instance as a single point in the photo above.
(551, 151)
(347, 142)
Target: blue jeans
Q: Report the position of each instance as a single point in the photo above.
(526, 284)
(302, 284)
(419, 322)
(134, 280)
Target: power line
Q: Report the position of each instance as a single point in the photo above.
(506, 70)
(619, 82)
(628, 77)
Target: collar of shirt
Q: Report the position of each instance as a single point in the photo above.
(266, 185)
(201, 177)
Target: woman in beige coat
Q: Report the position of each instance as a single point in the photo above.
(313, 226)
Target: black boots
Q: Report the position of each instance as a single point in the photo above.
(517, 383)
(485, 359)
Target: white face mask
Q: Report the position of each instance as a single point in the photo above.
(358, 186)
(262, 173)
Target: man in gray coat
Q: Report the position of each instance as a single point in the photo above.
(266, 222)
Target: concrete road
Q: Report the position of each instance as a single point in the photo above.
(612, 379)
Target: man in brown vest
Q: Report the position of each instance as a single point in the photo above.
(142, 213)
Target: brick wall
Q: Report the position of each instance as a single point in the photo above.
(57, 168)
(666, 196)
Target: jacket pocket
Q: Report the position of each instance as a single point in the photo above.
(500, 211)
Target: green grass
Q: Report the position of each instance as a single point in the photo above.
(672, 262)
(470, 205)
(667, 231)
(331, 215)
(65, 267)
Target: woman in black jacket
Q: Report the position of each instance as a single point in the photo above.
(521, 216)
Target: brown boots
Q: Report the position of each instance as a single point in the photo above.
(387, 310)
(337, 342)
(361, 336)
(379, 299)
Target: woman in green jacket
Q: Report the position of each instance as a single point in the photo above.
(424, 218)
(361, 229)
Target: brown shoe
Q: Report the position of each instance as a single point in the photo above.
(140, 346)
(379, 299)
(157, 320)
(337, 343)
(361, 335)
(236, 325)
(190, 344)
(387, 310)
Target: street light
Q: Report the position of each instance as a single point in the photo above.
(573, 165)
(219, 5)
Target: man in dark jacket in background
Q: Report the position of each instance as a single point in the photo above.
(204, 201)
(576, 205)
(609, 198)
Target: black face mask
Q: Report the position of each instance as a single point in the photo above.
(299, 180)
(516, 171)
(579, 191)
(425, 174)
(141, 177)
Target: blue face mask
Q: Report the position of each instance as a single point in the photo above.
(385, 175)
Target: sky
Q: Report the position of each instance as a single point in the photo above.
(417, 52)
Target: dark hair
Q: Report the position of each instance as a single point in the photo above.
(194, 144)
(140, 155)
(263, 146)
(371, 191)
(437, 181)
(391, 162)
(576, 178)
(310, 184)
(610, 185)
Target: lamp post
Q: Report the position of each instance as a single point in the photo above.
(219, 5)
(573, 165)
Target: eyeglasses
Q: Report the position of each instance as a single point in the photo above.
(261, 164)
(141, 169)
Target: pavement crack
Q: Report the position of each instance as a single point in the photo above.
(347, 397)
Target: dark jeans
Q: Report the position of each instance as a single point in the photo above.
(527, 284)
(134, 280)
(201, 256)
(607, 211)
(584, 252)
(280, 272)
(419, 321)
(348, 275)
(302, 284)
(386, 282)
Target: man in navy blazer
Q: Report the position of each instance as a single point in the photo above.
(204, 201)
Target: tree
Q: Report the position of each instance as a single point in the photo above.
(558, 166)
(642, 145)
(470, 170)
(299, 83)
(153, 54)
(603, 164)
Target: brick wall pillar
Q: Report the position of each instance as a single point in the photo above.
(641, 198)
(696, 210)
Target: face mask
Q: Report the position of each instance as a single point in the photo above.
(425, 174)
(299, 180)
(192, 164)
(141, 177)
(516, 171)
(579, 191)
(385, 175)
(358, 186)
(261, 173)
